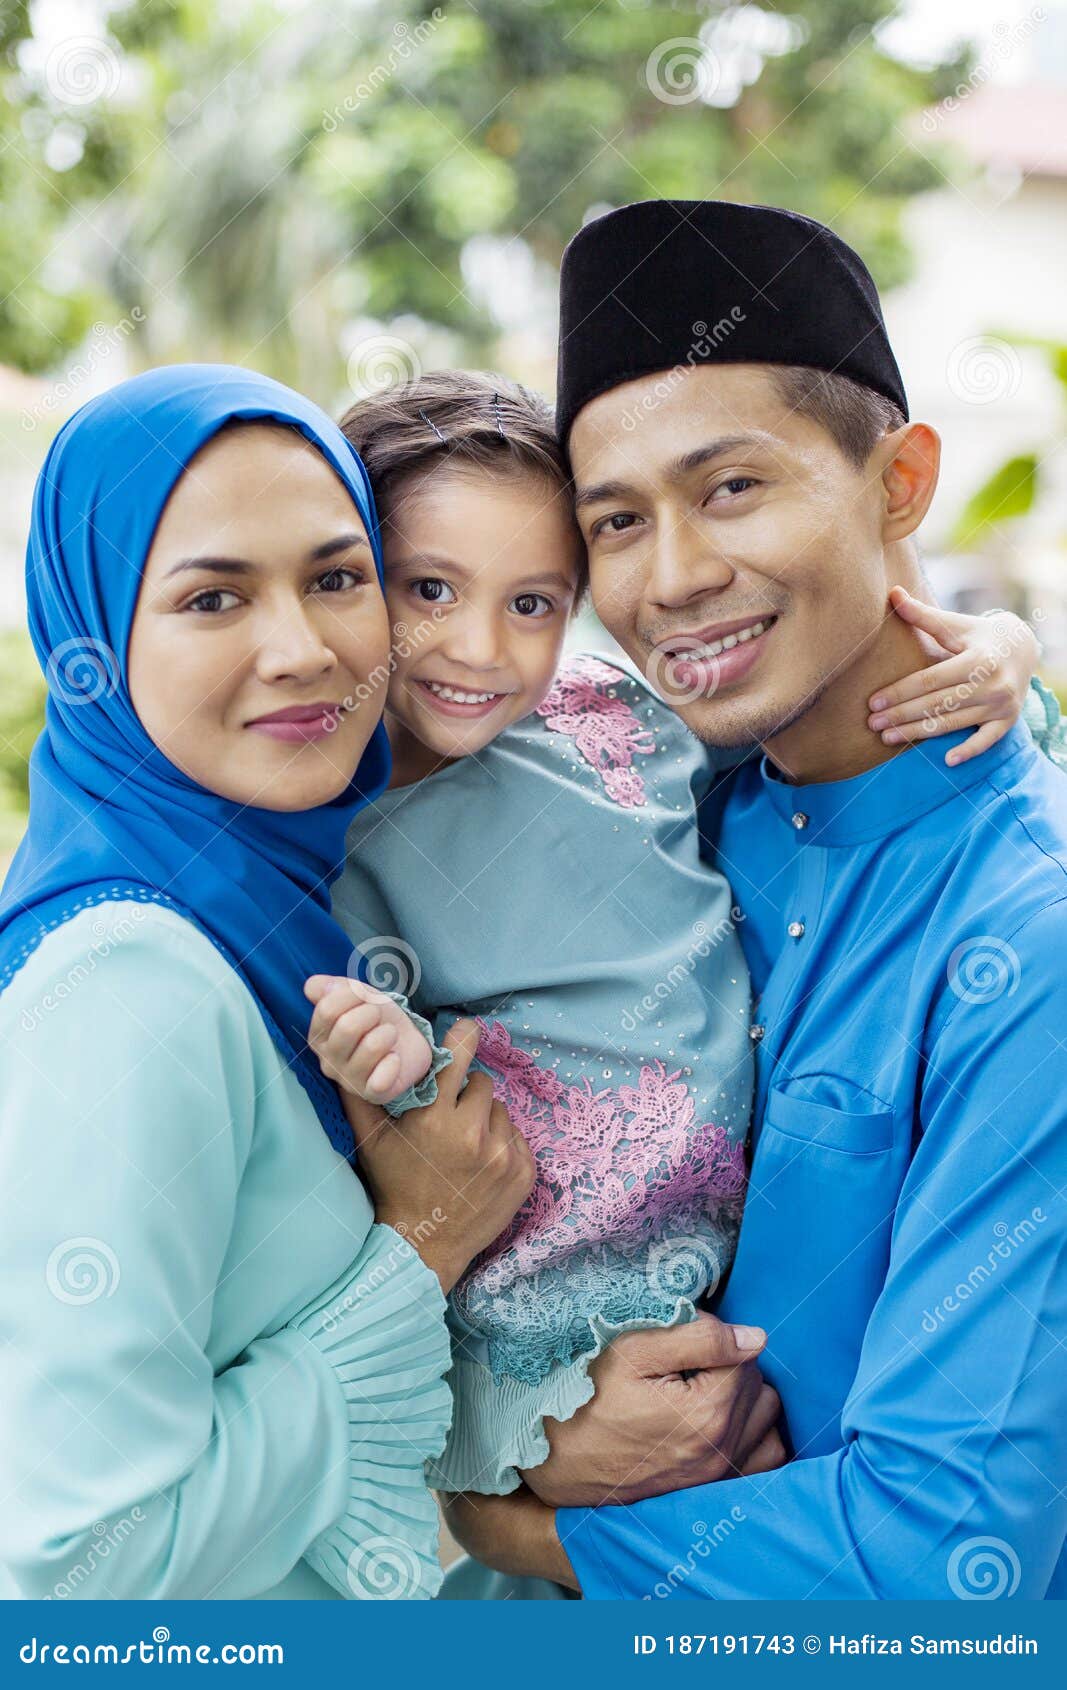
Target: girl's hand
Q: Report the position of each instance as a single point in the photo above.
(982, 684)
(363, 1040)
(449, 1177)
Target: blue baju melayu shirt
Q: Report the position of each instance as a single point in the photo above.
(904, 1240)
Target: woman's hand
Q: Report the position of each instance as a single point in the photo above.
(982, 684)
(449, 1177)
(516, 1534)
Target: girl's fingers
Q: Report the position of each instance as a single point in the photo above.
(935, 727)
(988, 734)
(949, 673)
(930, 705)
(946, 626)
(337, 1007)
(382, 1081)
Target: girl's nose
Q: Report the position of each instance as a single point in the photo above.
(473, 638)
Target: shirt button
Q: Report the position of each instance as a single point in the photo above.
(795, 930)
(756, 1032)
(799, 820)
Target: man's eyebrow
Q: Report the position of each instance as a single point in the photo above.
(676, 470)
(242, 566)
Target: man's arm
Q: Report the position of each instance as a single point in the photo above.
(952, 1475)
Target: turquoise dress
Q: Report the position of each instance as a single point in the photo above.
(552, 887)
(219, 1376)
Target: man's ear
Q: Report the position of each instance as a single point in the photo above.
(911, 458)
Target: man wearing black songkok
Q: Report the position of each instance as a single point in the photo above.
(748, 486)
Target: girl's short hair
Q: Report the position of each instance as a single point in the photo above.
(468, 420)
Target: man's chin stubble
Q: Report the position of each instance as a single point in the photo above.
(731, 727)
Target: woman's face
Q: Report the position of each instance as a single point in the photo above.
(480, 578)
(260, 643)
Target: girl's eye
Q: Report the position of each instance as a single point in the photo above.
(737, 484)
(616, 524)
(338, 581)
(433, 591)
(532, 604)
(209, 602)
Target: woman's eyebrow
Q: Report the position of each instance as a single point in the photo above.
(241, 566)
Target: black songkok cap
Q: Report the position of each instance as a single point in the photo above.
(675, 282)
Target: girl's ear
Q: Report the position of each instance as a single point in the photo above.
(911, 462)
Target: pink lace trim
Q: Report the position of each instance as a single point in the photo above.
(604, 729)
(612, 1165)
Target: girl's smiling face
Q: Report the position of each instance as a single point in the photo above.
(481, 574)
(260, 637)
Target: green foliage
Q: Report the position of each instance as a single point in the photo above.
(1009, 492)
(22, 692)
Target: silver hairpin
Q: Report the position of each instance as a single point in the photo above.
(431, 424)
(496, 408)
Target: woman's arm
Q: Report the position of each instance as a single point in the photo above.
(128, 1119)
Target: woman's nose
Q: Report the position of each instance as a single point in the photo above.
(294, 646)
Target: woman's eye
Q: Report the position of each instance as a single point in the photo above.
(433, 591)
(338, 580)
(210, 601)
(737, 484)
(532, 604)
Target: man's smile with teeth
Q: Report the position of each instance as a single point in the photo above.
(715, 648)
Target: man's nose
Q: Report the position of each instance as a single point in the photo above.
(685, 565)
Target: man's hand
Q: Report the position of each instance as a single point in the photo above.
(516, 1534)
(674, 1407)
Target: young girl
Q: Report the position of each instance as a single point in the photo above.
(536, 864)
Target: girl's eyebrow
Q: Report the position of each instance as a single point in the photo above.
(242, 566)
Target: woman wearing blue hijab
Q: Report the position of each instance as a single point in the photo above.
(222, 1375)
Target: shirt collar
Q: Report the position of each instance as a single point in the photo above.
(886, 798)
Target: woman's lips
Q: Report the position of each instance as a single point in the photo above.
(297, 726)
(476, 707)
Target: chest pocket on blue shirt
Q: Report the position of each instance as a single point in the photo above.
(845, 1120)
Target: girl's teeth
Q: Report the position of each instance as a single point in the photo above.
(452, 696)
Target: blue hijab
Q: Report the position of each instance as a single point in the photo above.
(110, 815)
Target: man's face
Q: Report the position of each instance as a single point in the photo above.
(711, 512)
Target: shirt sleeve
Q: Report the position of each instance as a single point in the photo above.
(1048, 726)
(948, 1481)
(129, 1116)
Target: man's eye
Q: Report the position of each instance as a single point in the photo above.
(616, 524)
(737, 484)
(433, 591)
(210, 601)
(532, 604)
(338, 580)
